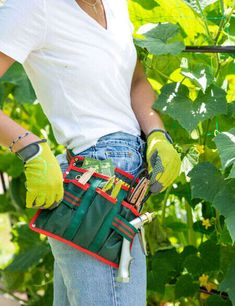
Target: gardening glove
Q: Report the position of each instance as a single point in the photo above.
(44, 179)
(162, 159)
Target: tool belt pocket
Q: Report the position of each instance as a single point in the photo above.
(89, 218)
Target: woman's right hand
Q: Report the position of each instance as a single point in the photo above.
(44, 179)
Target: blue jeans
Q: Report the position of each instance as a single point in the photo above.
(81, 280)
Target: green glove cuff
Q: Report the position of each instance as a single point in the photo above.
(167, 135)
(30, 151)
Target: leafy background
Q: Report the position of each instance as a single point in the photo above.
(191, 242)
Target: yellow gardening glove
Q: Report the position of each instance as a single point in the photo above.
(162, 159)
(44, 179)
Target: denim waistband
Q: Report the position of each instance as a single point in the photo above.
(115, 138)
(121, 136)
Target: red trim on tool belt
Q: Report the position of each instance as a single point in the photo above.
(75, 182)
(122, 172)
(131, 207)
(100, 175)
(113, 264)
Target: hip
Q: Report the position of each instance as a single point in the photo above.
(125, 150)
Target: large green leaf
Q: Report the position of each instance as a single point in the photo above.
(11, 164)
(27, 259)
(224, 201)
(162, 66)
(228, 283)
(163, 264)
(175, 11)
(216, 300)
(22, 91)
(174, 101)
(163, 39)
(5, 90)
(205, 182)
(193, 264)
(185, 286)
(208, 184)
(199, 74)
(210, 255)
(225, 143)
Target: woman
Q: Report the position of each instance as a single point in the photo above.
(81, 60)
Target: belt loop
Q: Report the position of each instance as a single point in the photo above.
(69, 155)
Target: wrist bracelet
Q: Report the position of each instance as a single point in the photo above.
(17, 139)
(168, 137)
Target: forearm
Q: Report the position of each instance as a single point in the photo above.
(10, 130)
(142, 99)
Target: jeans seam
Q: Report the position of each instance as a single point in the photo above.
(113, 286)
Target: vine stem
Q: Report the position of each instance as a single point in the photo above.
(206, 132)
(204, 20)
(161, 73)
(221, 27)
(218, 225)
(166, 196)
(191, 235)
(222, 22)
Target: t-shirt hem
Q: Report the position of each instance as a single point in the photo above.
(11, 52)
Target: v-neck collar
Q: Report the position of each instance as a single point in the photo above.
(91, 19)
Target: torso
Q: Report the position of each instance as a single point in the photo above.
(82, 74)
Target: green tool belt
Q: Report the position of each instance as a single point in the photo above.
(89, 218)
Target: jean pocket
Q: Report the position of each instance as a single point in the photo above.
(125, 157)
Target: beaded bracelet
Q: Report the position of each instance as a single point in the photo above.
(17, 139)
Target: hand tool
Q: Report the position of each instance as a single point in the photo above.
(123, 275)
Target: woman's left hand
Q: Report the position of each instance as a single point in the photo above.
(163, 161)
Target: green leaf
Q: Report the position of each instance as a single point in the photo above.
(23, 91)
(174, 101)
(13, 280)
(231, 109)
(163, 39)
(24, 238)
(147, 11)
(199, 74)
(224, 201)
(185, 287)
(5, 90)
(188, 250)
(17, 192)
(228, 283)
(27, 259)
(205, 182)
(210, 255)
(225, 237)
(216, 300)
(11, 164)
(162, 66)
(163, 264)
(225, 143)
(193, 264)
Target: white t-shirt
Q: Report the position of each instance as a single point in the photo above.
(80, 71)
